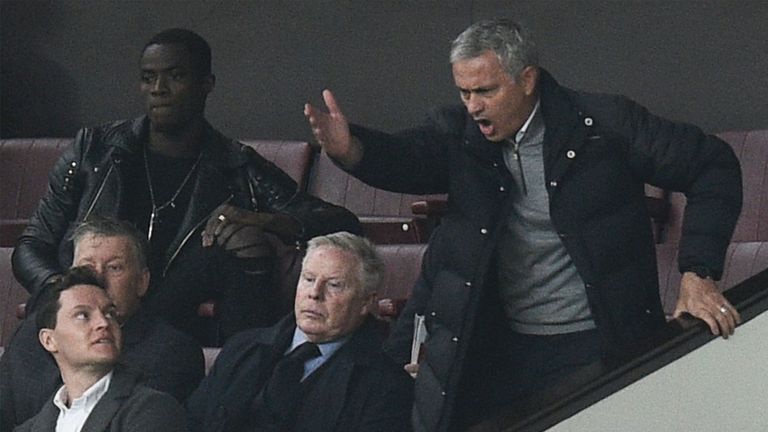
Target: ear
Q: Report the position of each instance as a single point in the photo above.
(209, 83)
(143, 283)
(47, 340)
(529, 78)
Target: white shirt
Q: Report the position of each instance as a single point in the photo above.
(523, 129)
(72, 418)
(327, 350)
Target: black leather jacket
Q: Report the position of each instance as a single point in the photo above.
(89, 179)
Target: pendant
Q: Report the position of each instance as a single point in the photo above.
(151, 225)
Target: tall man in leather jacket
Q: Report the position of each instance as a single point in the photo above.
(206, 202)
(545, 263)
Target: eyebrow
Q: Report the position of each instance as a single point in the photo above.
(166, 69)
(80, 307)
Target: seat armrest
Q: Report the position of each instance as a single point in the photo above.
(390, 309)
(207, 309)
(430, 208)
(21, 311)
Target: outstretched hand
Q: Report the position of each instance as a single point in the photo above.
(701, 298)
(331, 131)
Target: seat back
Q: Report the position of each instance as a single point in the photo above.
(24, 167)
(742, 261)
(11, 295)
(751, 147)
(386, 216)
(747, 254)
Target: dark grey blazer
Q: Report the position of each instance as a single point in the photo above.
(168, 360)
(127, 406)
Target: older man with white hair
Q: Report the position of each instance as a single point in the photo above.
(320, 368)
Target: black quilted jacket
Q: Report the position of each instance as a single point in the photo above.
(599, 151)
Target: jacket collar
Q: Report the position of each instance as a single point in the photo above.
(567, 128)
(121, 387)
(561, 119)
(131, 136)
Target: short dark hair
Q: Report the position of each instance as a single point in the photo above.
(101, 226)
(199, 50)
(49, 303)
(510, 40)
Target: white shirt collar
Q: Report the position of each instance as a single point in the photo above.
(327, 350)
(523, 129)
(72, 418)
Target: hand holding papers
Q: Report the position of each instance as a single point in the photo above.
(419, 336)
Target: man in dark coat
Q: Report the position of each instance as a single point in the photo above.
(167, 359)
(210, 206)
(78, 324)
(346, 385)
(544, 264)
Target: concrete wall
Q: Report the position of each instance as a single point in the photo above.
(68, 63)
(718, 387)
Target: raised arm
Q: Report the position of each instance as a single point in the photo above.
(331, 131)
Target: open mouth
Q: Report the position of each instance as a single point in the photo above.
(104, 340)
(486, 127)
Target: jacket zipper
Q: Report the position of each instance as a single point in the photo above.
(517, 157)
(98, 193)
(189, 234)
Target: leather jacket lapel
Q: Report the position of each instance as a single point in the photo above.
(211, 189)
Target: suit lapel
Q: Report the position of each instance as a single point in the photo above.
(120, 389)
(253, 368)
(337, 379)
(45, 421)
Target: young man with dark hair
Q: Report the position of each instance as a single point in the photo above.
(78, 325)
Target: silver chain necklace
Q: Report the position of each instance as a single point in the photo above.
(171, 202)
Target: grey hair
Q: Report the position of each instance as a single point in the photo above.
(512, 43)
(370, 269)
(100, 226)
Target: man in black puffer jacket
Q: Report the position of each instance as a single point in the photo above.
(545, 263)
(205, 201)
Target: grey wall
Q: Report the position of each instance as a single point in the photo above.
(69, 63)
